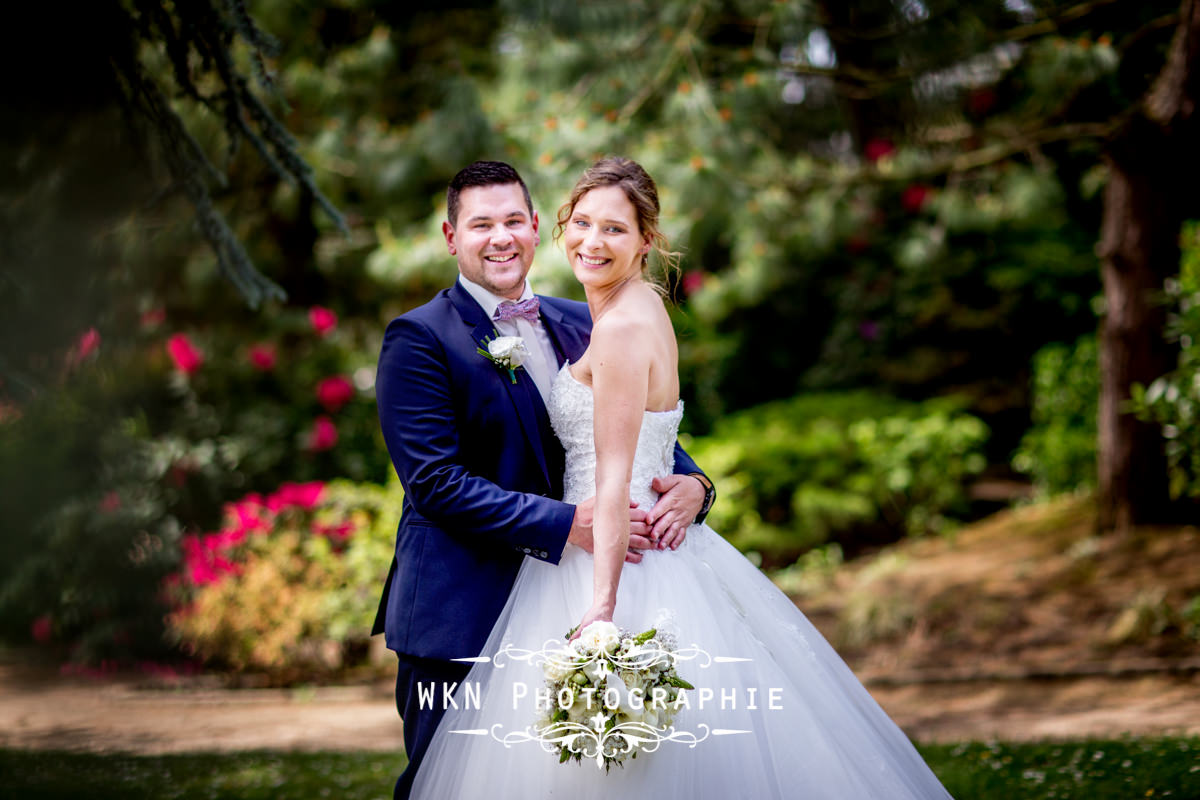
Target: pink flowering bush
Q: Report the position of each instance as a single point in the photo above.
(160, 425)
(288, 585)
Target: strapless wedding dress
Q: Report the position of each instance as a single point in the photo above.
(784, 716)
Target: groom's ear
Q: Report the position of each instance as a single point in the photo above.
(537, 237)
(448, 232)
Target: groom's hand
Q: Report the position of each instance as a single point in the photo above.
(680, 500)
(639, 530)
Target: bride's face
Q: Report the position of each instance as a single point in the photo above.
(603, 240)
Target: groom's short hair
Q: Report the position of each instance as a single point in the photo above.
(482, 173)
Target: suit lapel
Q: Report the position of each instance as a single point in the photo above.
(526, 399)
(569, 344)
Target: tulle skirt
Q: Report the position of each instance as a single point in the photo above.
(777, 713)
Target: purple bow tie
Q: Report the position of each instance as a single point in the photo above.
(526, 308)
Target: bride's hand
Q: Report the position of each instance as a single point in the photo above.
(594, 613)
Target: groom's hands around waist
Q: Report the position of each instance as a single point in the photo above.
(679, 502)
(639, 530)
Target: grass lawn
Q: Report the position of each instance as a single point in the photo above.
(1124, 769)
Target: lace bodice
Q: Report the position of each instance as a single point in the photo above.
(571, 408)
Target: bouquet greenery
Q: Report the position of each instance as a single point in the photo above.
(610, 694)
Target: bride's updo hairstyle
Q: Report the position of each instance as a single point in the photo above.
(642, 193)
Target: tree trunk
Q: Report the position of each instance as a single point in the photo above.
(1153, 163)
(874, 113)
(1140, 250)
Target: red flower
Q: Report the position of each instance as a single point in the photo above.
(877, 149)
(322, 319)
(693, 280)
(914, 197)
(304, 495)
(262, 357)
(110, 502)
(858, 243)
(179, 474)
(185, 355)
(154, 317)
(42, 629)
(335, 392)
(203, 558)
(246, 517)
(87, 344)
(335, 532)
(323, 436)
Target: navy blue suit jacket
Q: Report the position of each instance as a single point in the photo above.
(481, 468)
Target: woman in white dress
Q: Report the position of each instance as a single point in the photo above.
(776, 712)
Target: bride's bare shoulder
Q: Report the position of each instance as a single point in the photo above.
(638, 312)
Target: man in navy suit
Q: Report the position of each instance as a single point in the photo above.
(472, 444)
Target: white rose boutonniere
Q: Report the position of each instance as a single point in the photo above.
(506, 352)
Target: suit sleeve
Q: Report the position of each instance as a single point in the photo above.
(684, 465)
(416, 413)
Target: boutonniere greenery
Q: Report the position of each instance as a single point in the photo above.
(506, 352)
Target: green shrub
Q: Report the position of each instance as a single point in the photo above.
(848, 467)
(1173, 401)
(289, 585)
(1059, 450)
(89, 532)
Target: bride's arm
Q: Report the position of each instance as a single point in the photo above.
(620, 384)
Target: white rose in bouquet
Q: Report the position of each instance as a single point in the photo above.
(559, 664)
(633, 680)
(600, 635)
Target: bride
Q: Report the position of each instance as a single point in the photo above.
(795, 721)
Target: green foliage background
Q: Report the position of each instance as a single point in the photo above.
(876, 241)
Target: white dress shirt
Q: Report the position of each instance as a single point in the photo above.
(542, 363)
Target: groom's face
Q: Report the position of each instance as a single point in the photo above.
(494, 237)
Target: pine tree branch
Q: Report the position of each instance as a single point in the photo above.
(187, 164)
(1173, 96)
(859, 83)
(285, 147)
(683, 40)
(155, 21)
(261, 44)
(954, 164)
(200, 27)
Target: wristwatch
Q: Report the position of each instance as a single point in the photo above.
(710, 494)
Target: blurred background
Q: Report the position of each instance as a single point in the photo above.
(937, 266)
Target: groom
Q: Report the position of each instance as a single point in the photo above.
(472, 444)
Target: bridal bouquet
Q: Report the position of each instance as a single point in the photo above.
(610, 693)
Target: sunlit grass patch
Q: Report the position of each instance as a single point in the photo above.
(255, 775)
(1121, 769)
